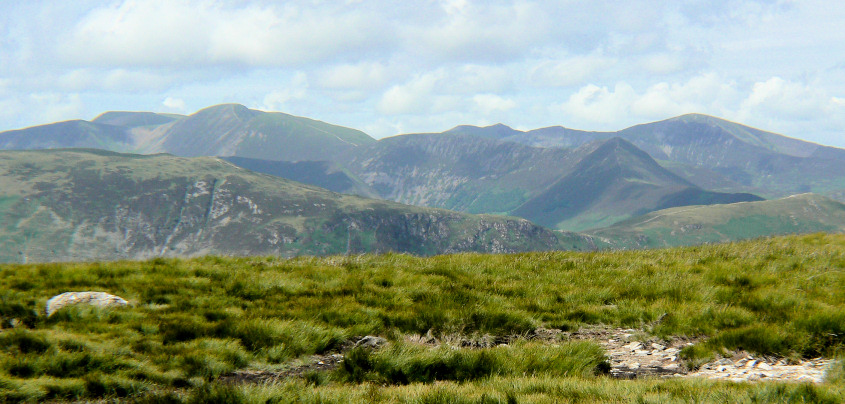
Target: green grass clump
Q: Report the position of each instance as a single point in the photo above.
(409, 363)
(193, 320)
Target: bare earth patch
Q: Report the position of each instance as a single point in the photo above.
(632, 355)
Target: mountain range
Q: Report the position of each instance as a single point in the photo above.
(691, 225)
(77, 204)
(556, 177)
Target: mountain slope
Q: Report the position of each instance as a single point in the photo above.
(75, 133)
(58, 205)
(234, 130)
(715, 154)
(221, 130)
(130, 119)
(323, 174)
(613, 182)
(690, 225)
(592, 186)
(457, 171)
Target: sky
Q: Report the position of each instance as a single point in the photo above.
(388, 67)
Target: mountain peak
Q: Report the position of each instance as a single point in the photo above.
(234, 109)
(497, 131)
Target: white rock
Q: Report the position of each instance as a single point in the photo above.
(634, 346)
(97, 299)
(764, 366)
(371, 342)
(658, 346)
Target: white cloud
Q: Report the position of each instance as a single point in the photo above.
(492, 32)
(109, 80)
(53, 107)
(277, 100)
(570, 71)
(176, 104)
(663, 63)
(599, 105)
(359, 76)
(431, 65)
(786, 100)
(197, 32)
(417, 95)
(623, 105)
(490, 103)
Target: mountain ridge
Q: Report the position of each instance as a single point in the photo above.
(77, 204)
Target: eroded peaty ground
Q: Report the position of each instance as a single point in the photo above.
(632, 354)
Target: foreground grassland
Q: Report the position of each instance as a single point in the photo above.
(192, 321)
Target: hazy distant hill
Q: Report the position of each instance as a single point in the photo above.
(58, 205)
(611, 183)
(712, 153)
(558, 177)
(222, 130)
(129, 119)
(324, 174)
(234, 130)
(67, 134)
(690, 225)
(592, 186)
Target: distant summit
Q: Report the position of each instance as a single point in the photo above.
(220, 130)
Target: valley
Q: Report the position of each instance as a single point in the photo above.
(559, 178)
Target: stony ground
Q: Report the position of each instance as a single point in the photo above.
(632, 355)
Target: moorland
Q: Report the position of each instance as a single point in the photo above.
(193, 323)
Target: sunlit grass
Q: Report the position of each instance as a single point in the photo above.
(193, 320)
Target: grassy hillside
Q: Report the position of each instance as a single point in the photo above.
(690, 225)
(193, 320)
(92, 205)
(593, 186)
(67, 134)
(234, 130)
(129, 119)
(220, 130)
(713, 153)
(323, 174)
(613, 182)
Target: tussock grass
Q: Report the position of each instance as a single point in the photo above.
(409, 363)
(192, 320)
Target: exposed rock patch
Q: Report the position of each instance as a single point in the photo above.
(300, 368)
(748, 369)
(632, 357)
(314, 363)
(97, 299)
(631, 352)
(370, 342)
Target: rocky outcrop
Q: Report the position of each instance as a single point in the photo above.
(747, 368)
(370, 342)
(97, 299)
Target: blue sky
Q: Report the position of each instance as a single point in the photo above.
(390, 67)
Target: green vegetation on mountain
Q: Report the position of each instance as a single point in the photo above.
(323, 174)
(459, 172)
(561, 183)
(66, 134)
(192, 321)
(60, 205)
(713, 153)
(129, 119)
(234, 130)
(221, 130)
(614, 182)
(691, 225)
